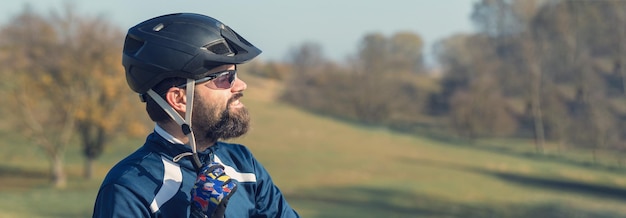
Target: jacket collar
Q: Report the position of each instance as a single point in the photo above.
(175, 147)
(166, 135)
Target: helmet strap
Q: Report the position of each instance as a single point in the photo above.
(185, 123)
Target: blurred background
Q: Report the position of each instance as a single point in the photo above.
(481, 108)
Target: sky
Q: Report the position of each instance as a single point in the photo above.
(277, 26)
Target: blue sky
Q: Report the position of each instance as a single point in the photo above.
(279, 25)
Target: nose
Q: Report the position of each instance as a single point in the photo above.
(239, 85)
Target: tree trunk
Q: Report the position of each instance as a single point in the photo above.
(538, 120)
(621, 58)
(621, 68)
(535, 94)
(88, 171)
(59, 178)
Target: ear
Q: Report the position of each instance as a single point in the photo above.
(176, 97)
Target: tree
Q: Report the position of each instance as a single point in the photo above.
(583, 55)
(531, 55)
(405, 52)
(472, 87)
(40, 83)
(459, 56)
(372, 53)
(66, 78)
(387, 66)
(307, 58)
(401, 52)
(272, 69)
(508, 23)
(384, 67)
(481, 111)
(106, 106)
(308, 64)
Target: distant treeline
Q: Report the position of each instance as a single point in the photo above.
(552, 71)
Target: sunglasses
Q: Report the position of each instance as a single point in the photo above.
(221, 80)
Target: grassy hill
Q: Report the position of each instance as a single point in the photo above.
(328, 168)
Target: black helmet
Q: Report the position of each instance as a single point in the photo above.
(182, 45)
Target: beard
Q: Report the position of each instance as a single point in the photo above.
(211, 124)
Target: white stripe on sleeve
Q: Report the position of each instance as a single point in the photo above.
(172, 179)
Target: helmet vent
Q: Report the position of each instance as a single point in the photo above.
(219, 48)
(132, 45)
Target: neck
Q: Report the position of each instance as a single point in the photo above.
(202, 143)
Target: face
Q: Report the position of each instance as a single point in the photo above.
(218, 112)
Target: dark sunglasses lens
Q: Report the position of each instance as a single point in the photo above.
(226, 80)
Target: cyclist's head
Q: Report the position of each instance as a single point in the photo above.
(182, 45)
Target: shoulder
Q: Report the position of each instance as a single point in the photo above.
(234, 151)
(128, 183)
(132, 170)
(234, 147)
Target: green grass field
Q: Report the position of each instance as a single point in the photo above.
(327, 168)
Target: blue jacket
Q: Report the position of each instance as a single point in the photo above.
(148, 183)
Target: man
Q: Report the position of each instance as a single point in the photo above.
(184, 66)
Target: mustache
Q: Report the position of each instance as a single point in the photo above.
(235, 97)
